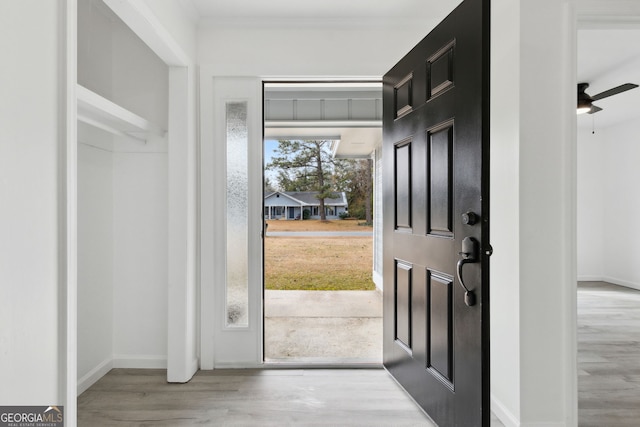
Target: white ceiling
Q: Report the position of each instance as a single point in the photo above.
(608, 58)
(356, 11)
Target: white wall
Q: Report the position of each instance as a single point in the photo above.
(547, 215)
(621, 201)
(30, 335)
(95, 262)
(607, 185)
(532, 208)
(504, 205)
(95, 47)
(592, 175)
(140, 259)
(306, 50)
(179, 18)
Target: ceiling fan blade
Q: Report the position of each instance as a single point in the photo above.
(594, 110)
(616, 90)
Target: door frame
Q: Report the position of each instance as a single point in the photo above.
(311, 80)
(251, 353)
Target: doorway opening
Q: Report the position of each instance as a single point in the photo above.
(608, 278)
(322, 249)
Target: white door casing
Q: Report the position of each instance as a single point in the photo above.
(224, 345)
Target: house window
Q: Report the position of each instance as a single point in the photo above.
(329, 211)
(314, 211)
(237, 214)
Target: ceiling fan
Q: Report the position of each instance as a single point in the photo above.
(585, 101)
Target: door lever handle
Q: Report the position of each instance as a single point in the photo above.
(468, 255)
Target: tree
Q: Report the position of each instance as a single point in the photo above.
(368, 188)
(304, 166)
(268, 186)
(354, 177)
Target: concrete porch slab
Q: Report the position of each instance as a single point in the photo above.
(323, 326)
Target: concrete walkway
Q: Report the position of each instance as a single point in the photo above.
(319, 233)
(323, 326)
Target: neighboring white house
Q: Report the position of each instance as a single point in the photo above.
(292, 204)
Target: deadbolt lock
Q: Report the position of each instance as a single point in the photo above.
(469, 218)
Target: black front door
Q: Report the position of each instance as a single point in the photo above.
(436, 219)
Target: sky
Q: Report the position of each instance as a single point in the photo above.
(270, 146)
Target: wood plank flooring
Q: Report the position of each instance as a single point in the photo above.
(299, 397)
(608, 385)
(252, 397)
(608, 355)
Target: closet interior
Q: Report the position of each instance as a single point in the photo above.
(122, 96)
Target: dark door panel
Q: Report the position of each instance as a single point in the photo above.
(436, 219)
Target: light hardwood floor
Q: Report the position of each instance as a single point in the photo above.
(608, 355)
(608, 385)
(251, 397)
(304, 397)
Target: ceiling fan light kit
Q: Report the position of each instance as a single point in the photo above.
(585, 101)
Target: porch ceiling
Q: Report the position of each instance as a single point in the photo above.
(350, 114)
(350, 142)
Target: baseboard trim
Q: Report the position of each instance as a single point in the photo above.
(510, 420)
(144, 361)
(612, 280)
(503, 414)
(91, 377)
(183, 377)
(544, 424)
(621, 282)
(590, 279)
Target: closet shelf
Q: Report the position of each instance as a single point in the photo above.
(98, 111)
